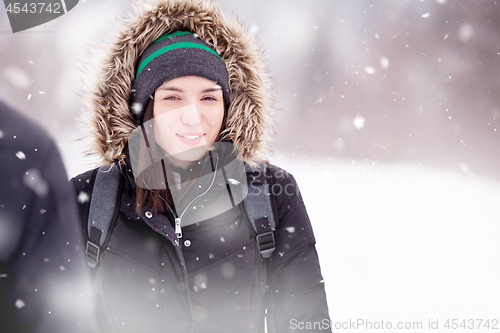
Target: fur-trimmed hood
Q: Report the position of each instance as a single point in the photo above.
(108, 120)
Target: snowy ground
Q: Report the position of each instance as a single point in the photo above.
(403, 243)
(397, 243)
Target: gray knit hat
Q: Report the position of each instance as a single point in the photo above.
(171, 56)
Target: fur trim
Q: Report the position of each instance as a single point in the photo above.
(108, 120)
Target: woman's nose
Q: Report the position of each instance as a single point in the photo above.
(191, 116)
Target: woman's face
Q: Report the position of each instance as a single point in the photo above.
(188, 114)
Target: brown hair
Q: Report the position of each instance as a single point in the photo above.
(161, 199)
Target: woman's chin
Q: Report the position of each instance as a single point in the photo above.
(184, 158)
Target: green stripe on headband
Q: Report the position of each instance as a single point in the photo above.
(177, 33)
(172, 47)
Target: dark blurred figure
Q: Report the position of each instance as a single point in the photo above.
(44, 284)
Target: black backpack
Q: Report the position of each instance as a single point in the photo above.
(105, 201)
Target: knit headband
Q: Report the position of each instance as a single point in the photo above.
(171, 56)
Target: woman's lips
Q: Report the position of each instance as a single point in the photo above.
(191, 139)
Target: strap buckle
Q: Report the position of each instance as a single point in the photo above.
(92, 252)
(266, 244)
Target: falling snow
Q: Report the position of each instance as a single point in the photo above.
(384, 62)
(254, 29)
(83, 197)
(370, 70)
(465, 32)
(17, 77)
(33, 179)
(359, 122)
(20, 155)
(233, 181)
(201, 280)
(137, 108)
(20, 303)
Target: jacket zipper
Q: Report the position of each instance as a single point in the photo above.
(178, 230)
(178, 233)
(178, 220)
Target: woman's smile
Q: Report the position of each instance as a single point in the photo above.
(191, 139)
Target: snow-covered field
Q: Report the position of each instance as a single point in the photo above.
(403, 243)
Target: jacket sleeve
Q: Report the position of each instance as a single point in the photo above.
(298, 292)
(45, 284)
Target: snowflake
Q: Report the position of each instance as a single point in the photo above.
(20, 303)
(83, 197)
(20, 155)
(359, 122)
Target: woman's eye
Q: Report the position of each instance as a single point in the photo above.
(171, 97)
(209, 98)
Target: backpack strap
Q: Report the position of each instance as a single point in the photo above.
(104, 207)
(259, 210)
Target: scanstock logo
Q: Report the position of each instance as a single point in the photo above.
(30, 13)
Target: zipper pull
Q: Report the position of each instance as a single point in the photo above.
(178, 231)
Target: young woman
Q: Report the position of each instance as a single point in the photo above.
(180, 105)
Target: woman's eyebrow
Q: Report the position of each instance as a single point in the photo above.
(216, 88)
(171, 88)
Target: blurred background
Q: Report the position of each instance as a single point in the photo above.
(388, 116)
(385, 81)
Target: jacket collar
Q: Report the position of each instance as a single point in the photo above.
(219, 187)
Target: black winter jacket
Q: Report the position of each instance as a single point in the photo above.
(214, 278)
(44, 279)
